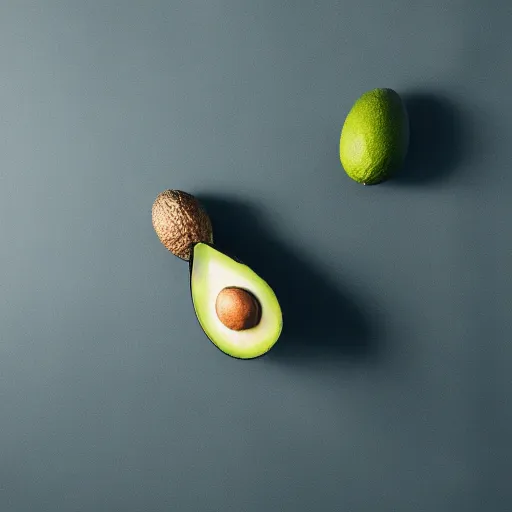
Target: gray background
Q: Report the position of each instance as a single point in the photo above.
(390, 388)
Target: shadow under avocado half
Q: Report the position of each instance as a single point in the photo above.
(319, 321)
(437, 138)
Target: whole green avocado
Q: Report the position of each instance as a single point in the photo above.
(375, 137)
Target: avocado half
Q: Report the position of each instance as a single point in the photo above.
(211, 271)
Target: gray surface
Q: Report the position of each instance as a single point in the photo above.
(390, 389)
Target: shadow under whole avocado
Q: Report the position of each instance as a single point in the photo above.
(438, 138)
(319, 321)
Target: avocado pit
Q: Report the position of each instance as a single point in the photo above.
(180, 221)
(237, 308)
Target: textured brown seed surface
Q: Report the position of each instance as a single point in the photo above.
(180, 221)
(237, 309)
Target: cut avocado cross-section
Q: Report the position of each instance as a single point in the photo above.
(236, 308)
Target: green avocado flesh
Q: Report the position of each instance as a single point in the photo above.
(210, 272)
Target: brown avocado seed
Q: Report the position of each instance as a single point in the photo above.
(237, 308)
(180, 221)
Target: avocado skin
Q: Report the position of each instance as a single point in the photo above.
(375, 137)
